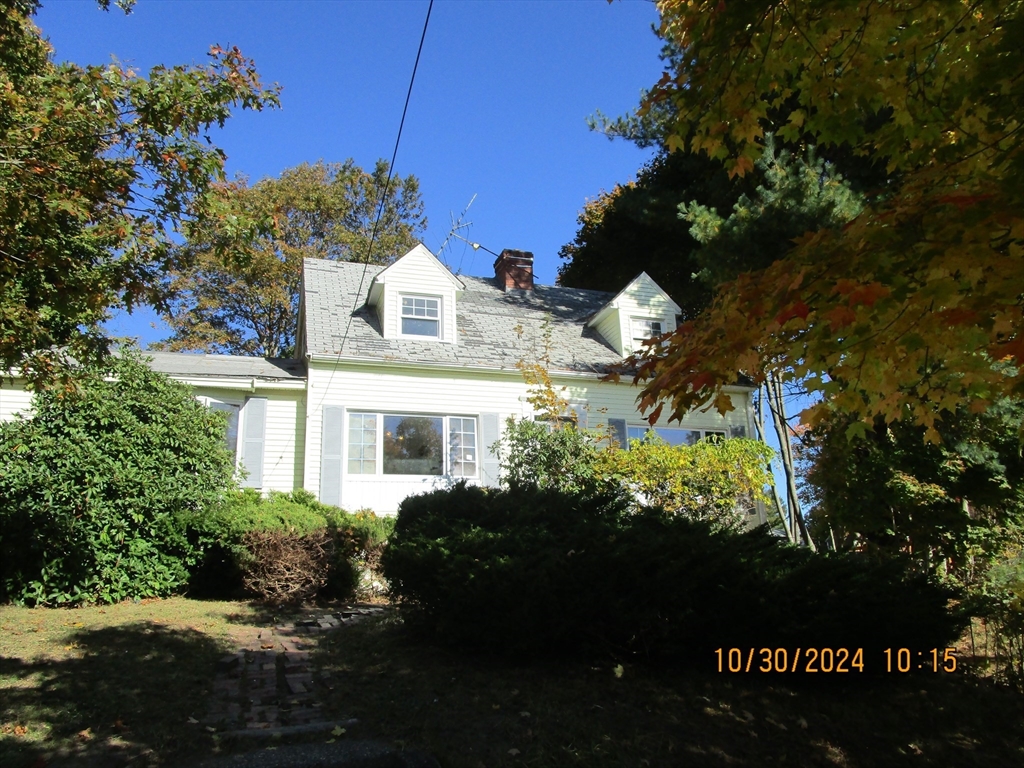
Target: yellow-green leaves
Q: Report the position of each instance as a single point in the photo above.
(931, 91)
(715, 480)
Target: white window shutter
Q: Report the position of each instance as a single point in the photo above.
(331, 444)
(490, 433)
(254, 422)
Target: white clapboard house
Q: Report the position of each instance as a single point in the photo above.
(404, 376)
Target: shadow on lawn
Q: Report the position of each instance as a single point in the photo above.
(470, 710)
(125, 696)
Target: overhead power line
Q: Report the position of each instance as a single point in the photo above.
(384, 195)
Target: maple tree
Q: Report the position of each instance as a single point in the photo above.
(240, 296)
(99, 168)
(902, 312)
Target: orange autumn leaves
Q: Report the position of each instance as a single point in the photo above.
(907, 310)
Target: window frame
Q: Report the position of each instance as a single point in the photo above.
(402, 316)
(209, 401)
(704, 433)
(448, 465)
(637, 340)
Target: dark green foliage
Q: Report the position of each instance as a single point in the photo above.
(534, 455)
(797, 195)
(99, 489)
(895, 491)
(529, 572)
(636, 227)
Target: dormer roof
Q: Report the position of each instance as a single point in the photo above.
(419, 254)
(640, 285)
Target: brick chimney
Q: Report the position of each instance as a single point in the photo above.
(514, 269)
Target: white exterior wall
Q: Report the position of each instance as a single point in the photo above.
(611, 330)
(399, 389)
(14, 398)
(643, 299)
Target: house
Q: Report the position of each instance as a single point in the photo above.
(404, 376)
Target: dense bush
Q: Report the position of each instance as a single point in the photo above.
(99, 488)
(715, 480)
(289, 546)
(533, 571)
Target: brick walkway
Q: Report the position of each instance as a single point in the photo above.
(270, 685)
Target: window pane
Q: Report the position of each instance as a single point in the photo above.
(645, 329)
(413, 445)
(462, 446)
(636, 433)
(709, 435)
(678, 436)
(412, 326)
(419, 307)
(231, 433)
(362, 443)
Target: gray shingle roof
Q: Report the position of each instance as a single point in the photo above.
(495, 328)
(199, 365)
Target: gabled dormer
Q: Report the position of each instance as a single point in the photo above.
(415, 298)
(638, 312)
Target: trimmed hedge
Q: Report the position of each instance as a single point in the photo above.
(287, 547)
(529, 572)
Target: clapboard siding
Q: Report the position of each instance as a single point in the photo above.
(418, 273)
(14, 398)
(611, 331)
(284, 440)
(641, 299)
(455, 393)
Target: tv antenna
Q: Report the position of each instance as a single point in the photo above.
(457, 224)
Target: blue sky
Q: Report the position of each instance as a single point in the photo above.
(499, 107)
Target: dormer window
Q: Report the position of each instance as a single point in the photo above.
(644, 329)
(421, 316)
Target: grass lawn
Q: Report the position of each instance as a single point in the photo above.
(112, 684)
(118, 684)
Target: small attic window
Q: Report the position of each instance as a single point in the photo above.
(421, 316)
(643, 329)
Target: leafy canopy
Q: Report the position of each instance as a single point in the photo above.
(901, 311)
(241, 296)
(99, 167)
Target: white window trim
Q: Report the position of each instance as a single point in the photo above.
(440, 316)
(379, 474)
(636, 344)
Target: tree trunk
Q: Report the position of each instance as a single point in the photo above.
(778, 410)
(761, 434)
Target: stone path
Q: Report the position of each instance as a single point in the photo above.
(270, 685)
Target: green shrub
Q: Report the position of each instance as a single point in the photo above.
(100, 487)
(713, 480)
(289, 546)
(530, 571)
(532, 454)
